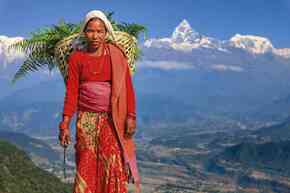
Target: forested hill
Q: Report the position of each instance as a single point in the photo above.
(276, 132)
(271, 155)
(18, 174)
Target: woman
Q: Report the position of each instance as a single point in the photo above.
(99, 88)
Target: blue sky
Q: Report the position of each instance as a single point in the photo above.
(216, 18)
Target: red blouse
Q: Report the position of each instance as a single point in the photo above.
(85, 67)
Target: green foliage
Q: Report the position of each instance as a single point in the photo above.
(270, 156)
(40, 48)
(132, 29)
(18, 174)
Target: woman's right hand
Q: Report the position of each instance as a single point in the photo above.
(130, 127)
(64, 134)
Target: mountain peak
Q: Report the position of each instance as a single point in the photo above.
(186, 39)
(184, 24)
(184, 33)
(254, 44)
(9, 56)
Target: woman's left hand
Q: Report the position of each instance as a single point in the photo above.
(130, 127)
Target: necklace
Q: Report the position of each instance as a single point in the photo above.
(96, 68)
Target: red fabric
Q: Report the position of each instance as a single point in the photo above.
(100, 166)
(84, 67)
(119, 111)
(94, 96)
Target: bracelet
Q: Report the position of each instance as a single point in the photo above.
(131, 113)
(131, 117)
(63, 127)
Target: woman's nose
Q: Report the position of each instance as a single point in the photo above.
(95, 36)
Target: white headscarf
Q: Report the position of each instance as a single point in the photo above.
(98, 14)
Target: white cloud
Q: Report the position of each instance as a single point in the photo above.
(222, 67)
(165, 65)
(158, 43)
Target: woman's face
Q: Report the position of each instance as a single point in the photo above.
(95, 33)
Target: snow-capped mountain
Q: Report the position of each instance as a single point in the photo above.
(283, 52)
(9, 56)
(184, 33)
(188, 49)
(253, 44)
(186, 39)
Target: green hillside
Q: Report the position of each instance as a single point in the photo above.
(274, 156)
(18, 174)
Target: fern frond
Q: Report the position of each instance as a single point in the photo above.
(33, 63)
(27, 46)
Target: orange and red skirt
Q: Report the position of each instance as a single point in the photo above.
(100, 165)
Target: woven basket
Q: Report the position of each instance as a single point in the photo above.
(123, 40)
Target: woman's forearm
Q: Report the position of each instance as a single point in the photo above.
(131, 102)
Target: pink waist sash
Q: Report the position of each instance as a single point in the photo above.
(95, 96)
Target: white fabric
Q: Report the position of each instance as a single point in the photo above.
(98, 14)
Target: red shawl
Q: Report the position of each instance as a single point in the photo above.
(119, 109)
